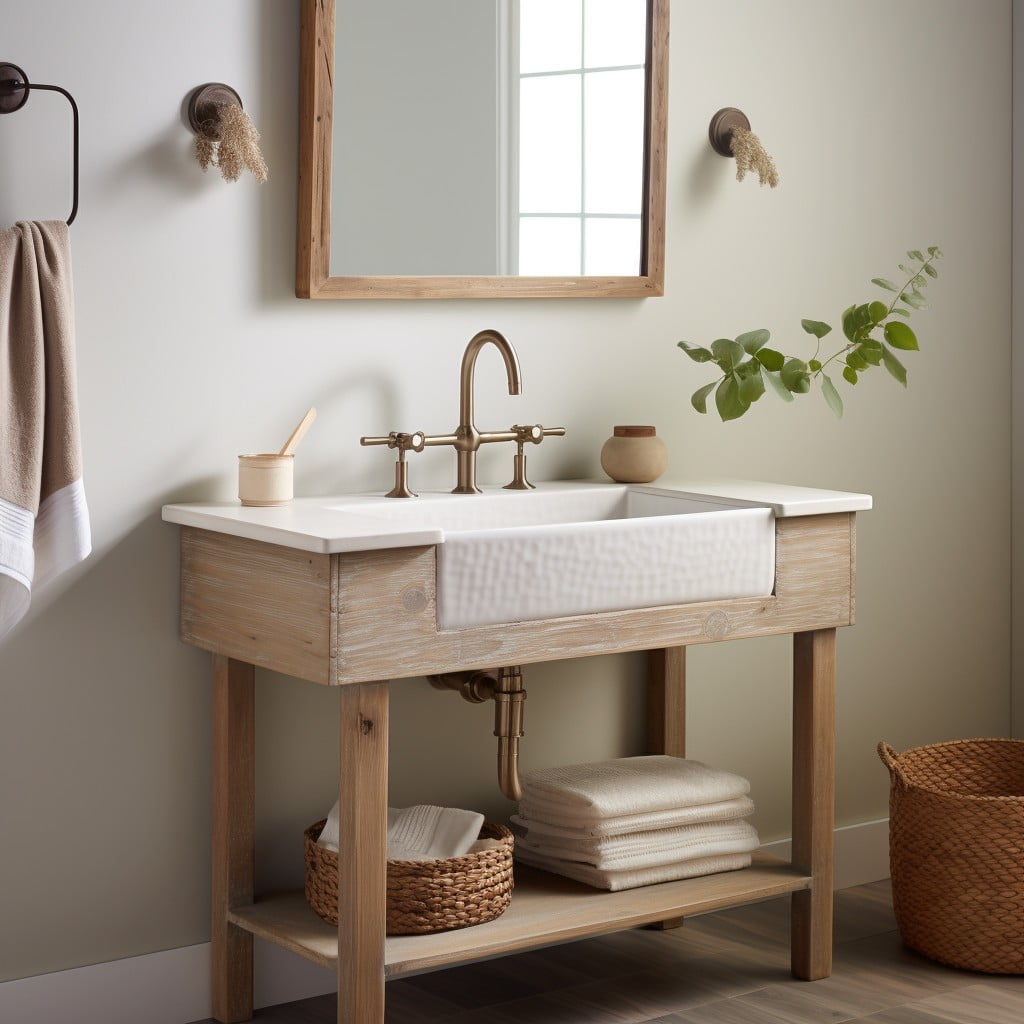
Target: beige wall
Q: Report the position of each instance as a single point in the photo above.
(889, 121)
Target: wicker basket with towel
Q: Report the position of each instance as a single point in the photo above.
(447, 868)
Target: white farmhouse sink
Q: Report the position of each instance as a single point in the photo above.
(563, 549)
(510, 556)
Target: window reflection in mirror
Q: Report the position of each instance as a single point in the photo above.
(580, 70)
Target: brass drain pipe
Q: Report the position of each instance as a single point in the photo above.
(506, 690)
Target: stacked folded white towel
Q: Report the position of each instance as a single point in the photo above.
(635, 821)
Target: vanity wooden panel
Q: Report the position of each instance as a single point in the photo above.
(348, 618)
(261, 603)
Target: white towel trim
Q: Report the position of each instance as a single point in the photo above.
(33, 550)
(17, 564)
(62, 532)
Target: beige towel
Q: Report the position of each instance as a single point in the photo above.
(648, 849)
(672, 817)
(582, 794)
(44, 520)
(633, 878)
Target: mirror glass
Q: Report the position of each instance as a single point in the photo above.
(482, 147)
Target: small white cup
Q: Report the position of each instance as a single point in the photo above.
(265, 479)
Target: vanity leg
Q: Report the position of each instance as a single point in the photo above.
(814, 674)
(362, 858)
(666, 716)
(233, 836)
(666, 701)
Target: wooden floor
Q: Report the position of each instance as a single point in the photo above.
(730, 967)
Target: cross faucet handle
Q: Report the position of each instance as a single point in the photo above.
(532, 433)
(414, 442)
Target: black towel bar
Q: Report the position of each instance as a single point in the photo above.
(14, 90)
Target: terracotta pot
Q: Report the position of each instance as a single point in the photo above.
(634, 455)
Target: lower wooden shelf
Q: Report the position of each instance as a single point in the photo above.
(546, 909)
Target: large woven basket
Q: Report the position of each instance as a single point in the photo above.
(423, 895)
(956, 851)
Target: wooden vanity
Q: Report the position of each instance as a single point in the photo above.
(359, 618)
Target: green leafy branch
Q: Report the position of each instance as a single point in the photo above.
(749, 367)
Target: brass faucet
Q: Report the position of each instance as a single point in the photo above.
(466, 439)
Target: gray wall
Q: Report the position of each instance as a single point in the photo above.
(192, 349)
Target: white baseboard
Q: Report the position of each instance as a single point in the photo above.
(862, 853)
(173, 987)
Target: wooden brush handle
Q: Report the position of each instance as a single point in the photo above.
(299, 433)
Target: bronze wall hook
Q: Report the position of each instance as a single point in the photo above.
(204, 105)
(721, 128)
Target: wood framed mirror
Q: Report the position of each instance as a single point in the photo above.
(387, 235)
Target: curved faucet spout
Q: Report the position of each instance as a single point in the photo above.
(466, 376)
(468, 438)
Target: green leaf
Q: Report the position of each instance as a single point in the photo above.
(914, 254)
(816, 327)
(850, 374)
(900, 311)
(856, 361)
(814, 365)
(900, 336)
(849, 323)
(930, 270)
(727, 353)
(770, 359)
(884, 282)
(914, 299)
(696, 353)
(731, 404)
(872, 354)
(856, 319)
(752, 386)
(877, 311)
(699, 399)
(832, 397)
(935, 252)
(795, 376)
(778, 387)
(753, 340)
(894, 366)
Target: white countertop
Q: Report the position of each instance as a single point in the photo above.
(363, 522)
(783, 499)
